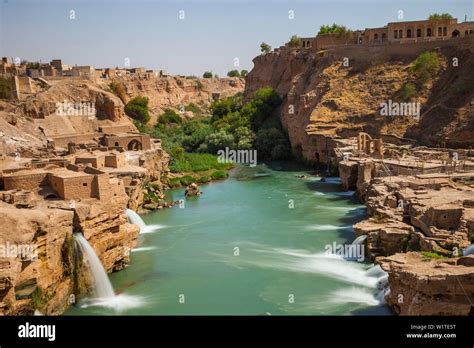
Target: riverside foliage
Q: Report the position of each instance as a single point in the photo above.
(193, 144)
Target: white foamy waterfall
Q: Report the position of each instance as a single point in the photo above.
(360, 239)
(135, 219)
(102, 286)
(469, 250)
(104, 292)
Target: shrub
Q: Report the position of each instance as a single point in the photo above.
(169, 117)
(425, 65)
(207, 75)
(408, 91)
(118, 88)
(265, 48)
(187, 180)
(219, 174)
(294, 42)
(339, 30)
(203, 179)
(437, 16)
(193, 108)
(175, 182)
(137, 108)
(244, 73)
(233, 73)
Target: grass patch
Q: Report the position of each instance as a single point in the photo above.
(197, 162)
(219, 175)
(429, 255)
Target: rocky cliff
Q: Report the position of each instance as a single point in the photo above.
(339, 92)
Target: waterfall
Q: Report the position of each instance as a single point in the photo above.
(135, 219)
(103, 287)
(469, 250)
(103, 290)
(360, 239)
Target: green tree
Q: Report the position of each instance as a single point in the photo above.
(169, 117)
(219, 141)
(438, 16)
(207, 75)
(233, 73)
(265, 48)
(137, 108)
(294, 42)
(425, 66)
(244, 73)
(339, 30)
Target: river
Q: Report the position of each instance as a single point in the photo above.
(252, 244)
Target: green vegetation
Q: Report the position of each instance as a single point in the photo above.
(339, 30)
(233, 73)
(294, 42)
(265, 48)
(207, 75)
(38, 300)
(193, 144)
(243, 73)
(428, 255)
(137, 108)
(196, 110)
(169, 117)
(118, 88)
(408, 91)
(425, 66)
(219, 175)
(6, 88)
(438, 16)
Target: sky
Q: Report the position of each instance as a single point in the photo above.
(186, 37)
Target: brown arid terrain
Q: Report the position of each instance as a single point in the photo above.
(415, 174)
(62, 174)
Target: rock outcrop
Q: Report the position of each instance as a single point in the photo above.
(423, 286)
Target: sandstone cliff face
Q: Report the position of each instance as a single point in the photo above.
(419, 286)
(175, 91)
(325, 98)
(46, 282)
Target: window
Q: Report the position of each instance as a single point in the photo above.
(384, 36)
(440, 31)
(429, 32)
(418, 32)
(445, 31)
(84, 184)
(376, 36)
(395, 34)
(409, 33)
(400, 34)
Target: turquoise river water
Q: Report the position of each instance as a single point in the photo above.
(252, 244)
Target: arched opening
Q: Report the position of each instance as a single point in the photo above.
(384, 36)
(400, 34)
(418, 32)
(440, 31)
(376, 37)
(456, 33)
(116, 143)
(445, 31)
(429, 32)
(395, 34)
(318, 158)
(134, 145)
(466, 33)
(409, 34)
(360, 41)
(51, 196)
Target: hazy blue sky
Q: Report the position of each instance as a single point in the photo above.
(213, 33)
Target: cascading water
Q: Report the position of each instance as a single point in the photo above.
(360, 239)
(102, 286)
(103, 290)
(469, 250)
(135, 219)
